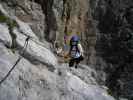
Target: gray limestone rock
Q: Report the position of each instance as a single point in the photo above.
(5, 35)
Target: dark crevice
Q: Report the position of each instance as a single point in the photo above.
(66, 14)
(115, 41)
(50, 19)
(14, 45)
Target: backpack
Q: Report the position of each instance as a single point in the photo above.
(74, 51)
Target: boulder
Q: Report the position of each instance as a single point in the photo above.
(36, 51)
(5, 35)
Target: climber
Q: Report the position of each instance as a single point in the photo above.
(75, 52)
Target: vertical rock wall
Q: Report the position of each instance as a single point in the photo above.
(115, 43)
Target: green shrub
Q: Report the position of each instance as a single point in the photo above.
(11, 23)
(3, 19)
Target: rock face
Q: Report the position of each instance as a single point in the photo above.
(5, 35)
(38, 76)
(51, 19)
(115, 43)
(28, 81)
(106, 32)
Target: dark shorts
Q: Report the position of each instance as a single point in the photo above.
(75, 60)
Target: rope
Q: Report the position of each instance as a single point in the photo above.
(20, 57)
(34, 40)
(22, 53)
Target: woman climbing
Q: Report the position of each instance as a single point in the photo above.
(75, 52)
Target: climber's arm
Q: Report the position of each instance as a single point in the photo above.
(81, 49)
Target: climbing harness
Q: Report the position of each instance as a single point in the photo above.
(20, 57)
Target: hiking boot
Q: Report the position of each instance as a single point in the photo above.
(76, 66)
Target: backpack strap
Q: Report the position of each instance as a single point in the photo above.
(74, 48)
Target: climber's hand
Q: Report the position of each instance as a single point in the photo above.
(66, 55)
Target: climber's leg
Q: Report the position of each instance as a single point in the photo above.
(71, 62)
(77, 60)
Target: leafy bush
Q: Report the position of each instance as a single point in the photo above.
(3, 19)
